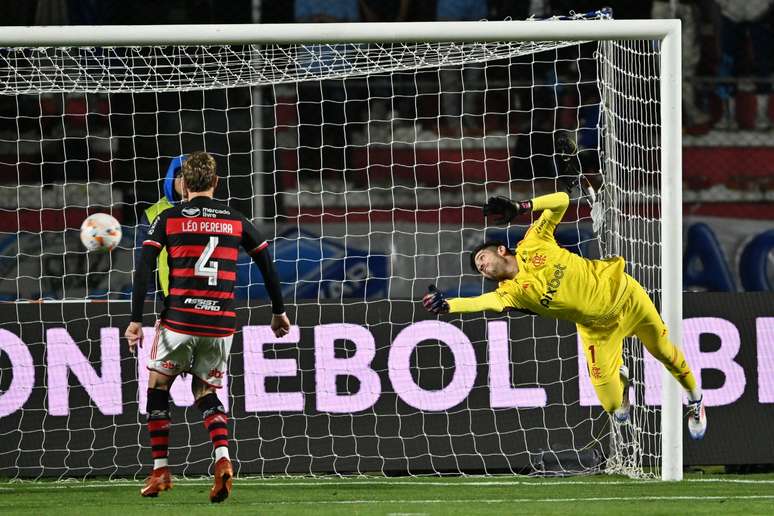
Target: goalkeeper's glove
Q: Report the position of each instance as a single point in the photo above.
(567, 162)
(504, 209)
(435, 301)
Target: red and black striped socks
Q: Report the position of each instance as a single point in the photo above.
(158, 426)
(159, 421)
(216, 423)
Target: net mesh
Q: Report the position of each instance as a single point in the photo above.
(184, 68)
(366, 166)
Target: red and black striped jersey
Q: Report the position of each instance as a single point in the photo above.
(202, 238)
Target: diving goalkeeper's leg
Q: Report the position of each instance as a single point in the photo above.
(654, 335)
(602, 348)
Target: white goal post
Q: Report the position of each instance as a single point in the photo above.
(662, 33)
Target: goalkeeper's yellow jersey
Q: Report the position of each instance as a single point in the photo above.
(552, 281)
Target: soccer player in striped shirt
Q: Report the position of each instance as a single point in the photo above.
(605, 303)
(196, 326)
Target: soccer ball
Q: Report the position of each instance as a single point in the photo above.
(100, 232)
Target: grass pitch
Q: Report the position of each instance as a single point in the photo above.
(697, 494)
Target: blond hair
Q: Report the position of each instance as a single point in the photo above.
(199, 171)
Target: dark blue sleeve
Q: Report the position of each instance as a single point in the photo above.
(258, 250)
(139, 236)
(142, 276)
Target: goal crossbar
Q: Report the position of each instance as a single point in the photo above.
(301, 33)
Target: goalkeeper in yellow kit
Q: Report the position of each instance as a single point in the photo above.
(604, 302)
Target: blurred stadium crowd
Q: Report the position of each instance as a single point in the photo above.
(728, 157)
(727, 68)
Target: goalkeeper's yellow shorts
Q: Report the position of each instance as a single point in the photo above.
(603, 345)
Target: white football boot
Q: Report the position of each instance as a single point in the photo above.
(621, 414)
(697, 419)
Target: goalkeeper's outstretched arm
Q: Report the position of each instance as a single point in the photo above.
(489, 302)
(552, 205)
(505, 210)
(437, 303)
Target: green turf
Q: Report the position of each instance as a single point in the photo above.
(698, 494)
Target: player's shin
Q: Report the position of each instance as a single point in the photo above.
(697, 417)
(158, 426)
(675, 363)
(216, 423)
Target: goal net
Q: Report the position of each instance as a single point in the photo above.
(365, 165)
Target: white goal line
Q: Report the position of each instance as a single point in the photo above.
(78, 484)
(491, 501)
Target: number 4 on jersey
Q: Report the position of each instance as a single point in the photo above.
(208, 271)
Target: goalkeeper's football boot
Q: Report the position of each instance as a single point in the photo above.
(159, 480)
(697, 419)
(621, 414)
(224, 473)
